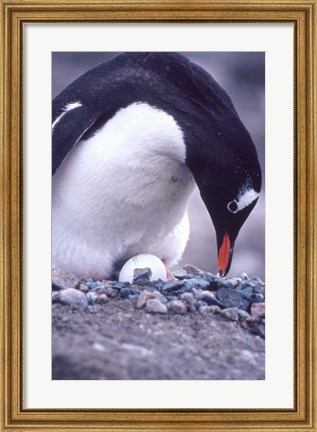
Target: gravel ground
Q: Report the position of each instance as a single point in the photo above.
(198, 326)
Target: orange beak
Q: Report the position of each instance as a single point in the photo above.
(224, 255)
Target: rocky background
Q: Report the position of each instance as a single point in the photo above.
(242, 75)
(197, 326)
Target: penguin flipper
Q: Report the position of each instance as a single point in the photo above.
(68, 130)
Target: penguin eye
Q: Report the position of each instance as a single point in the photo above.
(232, 206)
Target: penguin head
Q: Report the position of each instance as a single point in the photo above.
(228, 175)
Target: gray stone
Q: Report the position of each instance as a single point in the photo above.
(102, 299)
(155, 306)
(91, 297)
(191, 269)
(74, 298)
(205, 310)
(110, 292)
(230, 297)
(142, 276)
(55, 297)
(188, 298)
(177, 306)
(231, 313)
(125, 292)
(244, 276)
(209, 298)
(258, 310)
(63, 280)
(83, 288)
(215, 309)
(196, 283)
(145, 296)
(243, 314)
(173, 285)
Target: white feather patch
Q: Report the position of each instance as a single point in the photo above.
(244, 199)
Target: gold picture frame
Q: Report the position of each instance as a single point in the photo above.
(13, 416)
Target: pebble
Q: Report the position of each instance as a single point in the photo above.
(258, 310)
(209, 277)
(205, 310)
(102, 299)
(231, 313)
(110, 292)
(83, 288)
(191, 269)
(230, 297)
(177, 306)
(55, 296)
(188, 298)
(196, 283)
(155, 306)
(237, 299)
(74, 298)
(243, 314)
(94, 285)
(91, 297)
(173, 285)
(125, 292)
(62, 280)
(209, 298)
(145, 296)
(215, 309)
(142, 276)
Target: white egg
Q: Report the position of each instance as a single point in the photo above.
(142, 261)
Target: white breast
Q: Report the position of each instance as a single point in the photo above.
(122, 192)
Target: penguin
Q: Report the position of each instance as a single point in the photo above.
(131, 139)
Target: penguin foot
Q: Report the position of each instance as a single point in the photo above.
(169, 274)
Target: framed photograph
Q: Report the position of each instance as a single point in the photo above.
(158, 193)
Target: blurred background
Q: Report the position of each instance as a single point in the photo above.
(242, 75)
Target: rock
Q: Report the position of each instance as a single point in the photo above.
(258, 310)
(205, 310)
(125, 292)
(145, 296)
(91, 297)
(55, 296)
(111, 292)
(94, 285)
(83, 288)
(179, 273)
(209, 277)
(230, 297)
(62, 280)
(74, 298)
(231, 313)
(244, 276)
(177, 306)
(173, 285)
(215, 309)
(196, 283)
(210, 298)
(142, 276)
(102, 299)
(155, 306)
(188, 298)
(192, 308)
(191, 269)
(243, 314)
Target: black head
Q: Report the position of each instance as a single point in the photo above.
(228, 174)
